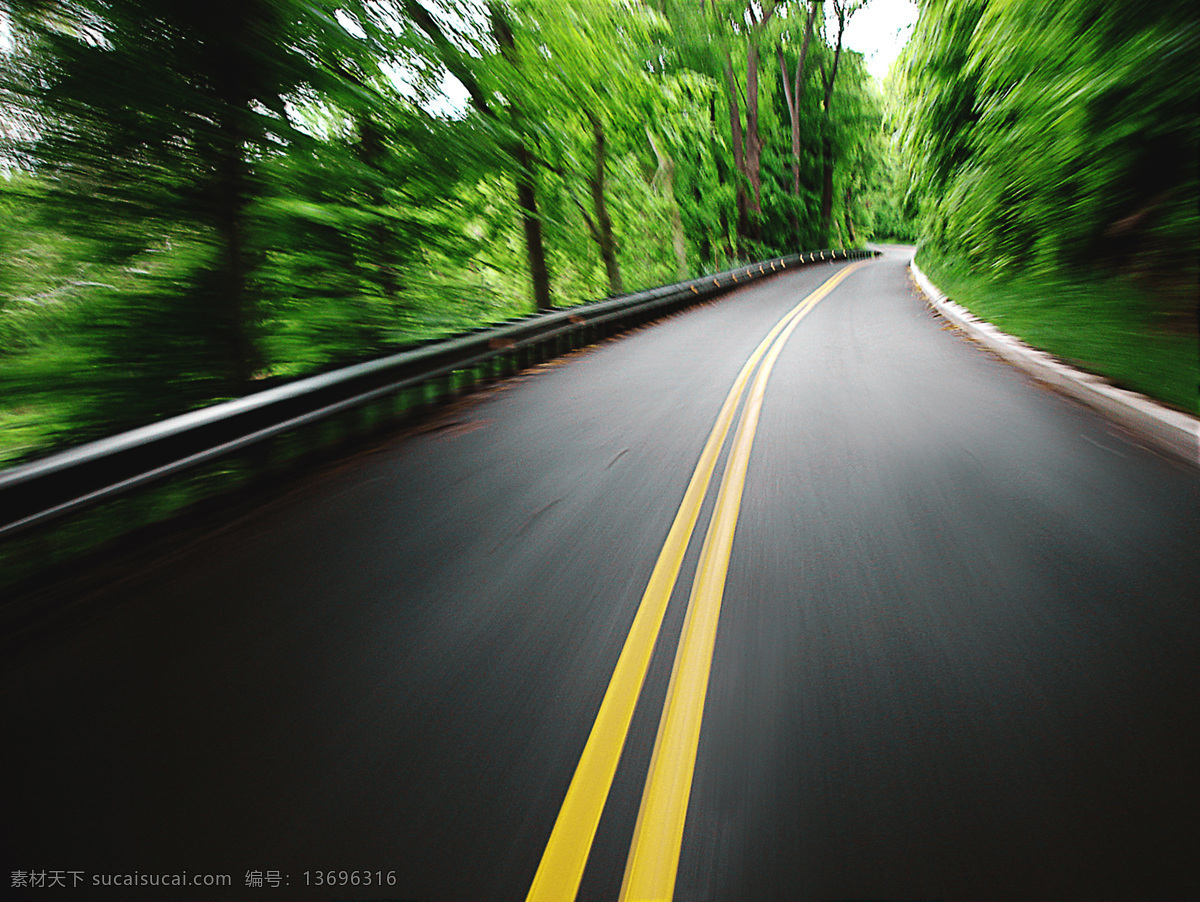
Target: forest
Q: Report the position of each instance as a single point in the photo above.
(200, 200)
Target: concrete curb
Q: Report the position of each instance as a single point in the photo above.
(1168, 430)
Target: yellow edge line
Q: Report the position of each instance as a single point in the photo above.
(563, 861)
(654, 854)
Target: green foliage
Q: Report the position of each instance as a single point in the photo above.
(206, 198)
(1058, 139)
(1103, 324)
(343, 224)
(888, 194)
(148, 123)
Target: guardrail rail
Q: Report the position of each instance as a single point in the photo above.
(41, 490)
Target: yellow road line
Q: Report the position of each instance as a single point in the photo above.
(654, 854)
(561, 868)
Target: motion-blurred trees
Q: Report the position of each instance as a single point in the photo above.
(776, 141)
(202, 197)
(150, 123)
(1058, 137)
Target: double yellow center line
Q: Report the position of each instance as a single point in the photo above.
(654, 855)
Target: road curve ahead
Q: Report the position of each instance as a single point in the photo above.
(794, 595)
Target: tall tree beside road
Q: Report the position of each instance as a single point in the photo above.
(149, 123)
(843, 11)
(589, 86)
(504, 108)
(773, 123)
(794, 83)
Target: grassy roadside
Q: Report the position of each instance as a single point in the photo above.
(1104, 326)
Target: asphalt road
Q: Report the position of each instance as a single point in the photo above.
(956, 651)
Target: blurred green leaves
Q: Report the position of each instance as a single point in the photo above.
(202, 199)
(1065, 136)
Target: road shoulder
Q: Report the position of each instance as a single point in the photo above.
(1163, 428)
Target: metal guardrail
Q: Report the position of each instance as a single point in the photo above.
(36, 492)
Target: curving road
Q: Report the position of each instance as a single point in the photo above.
(942, 641)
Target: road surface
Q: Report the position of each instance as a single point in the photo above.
(942, 641)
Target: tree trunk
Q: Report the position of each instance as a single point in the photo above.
(531, 221)
(231, 199)
(739, 156)
(827, 141)
(849, 221)
(604, 231)
(793, 96)
(665, 177)
(531, 224)
(754, 144)
(826, 189)
(753, 139)
(233, 294)
(381, 264)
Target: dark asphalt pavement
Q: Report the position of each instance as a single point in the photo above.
(958, 656)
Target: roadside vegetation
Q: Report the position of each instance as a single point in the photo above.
(1052, 160)
(198, 201)
(201, 200)
(1104, 326)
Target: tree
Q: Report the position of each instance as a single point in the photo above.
(152, 119)
(346, 222)
(843, 11)
(747, 24)
(793, 93)
(222, 194)
(590, 72)
(503, 108)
